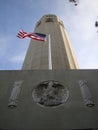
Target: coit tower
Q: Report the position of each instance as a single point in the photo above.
(56, 52)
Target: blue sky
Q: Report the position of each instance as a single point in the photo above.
(23, 14)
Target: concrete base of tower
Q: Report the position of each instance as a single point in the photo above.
(48, 100)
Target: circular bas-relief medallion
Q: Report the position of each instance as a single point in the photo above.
(50, 93)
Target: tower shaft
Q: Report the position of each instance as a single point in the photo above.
(62, 55)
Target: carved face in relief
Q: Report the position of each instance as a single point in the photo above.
(50, 93)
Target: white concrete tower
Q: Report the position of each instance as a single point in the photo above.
(62, 55)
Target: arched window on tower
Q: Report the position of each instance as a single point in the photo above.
(49, 20)
(38, 23)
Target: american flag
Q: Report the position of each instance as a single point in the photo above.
(35, 36)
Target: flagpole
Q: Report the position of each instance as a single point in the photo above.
(49, 53)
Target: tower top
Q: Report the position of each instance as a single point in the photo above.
(52, 16)
(49, 18)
